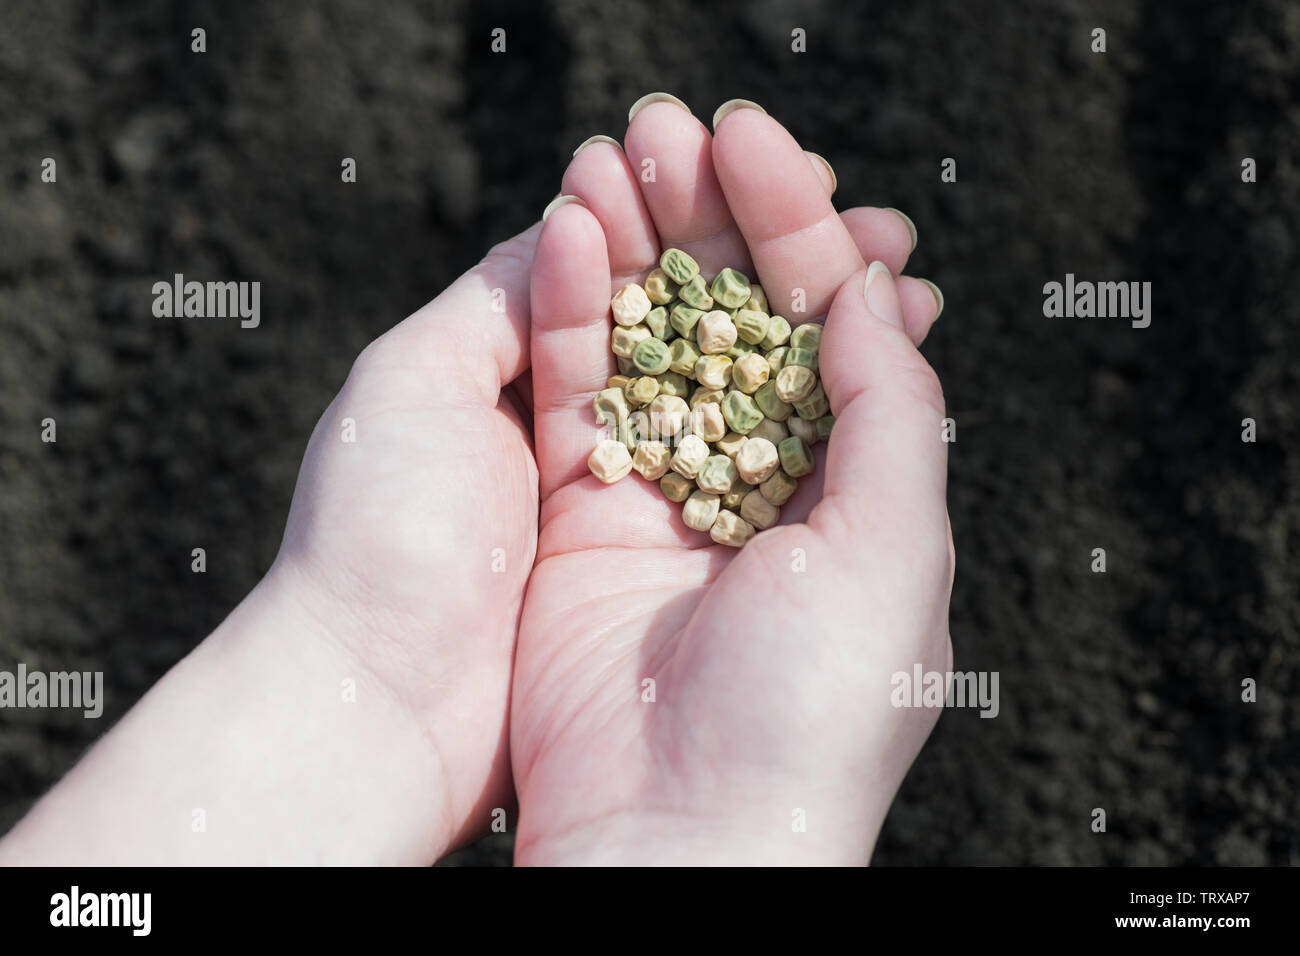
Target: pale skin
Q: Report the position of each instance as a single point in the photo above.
(499, 658)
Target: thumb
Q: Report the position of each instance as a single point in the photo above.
(887, 462)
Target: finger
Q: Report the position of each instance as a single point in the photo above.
(570, 341)
(799, 246)
(673, 152)
(886, 468)
(880, 234)
(488, 305)
(600, 176)
(890, 236)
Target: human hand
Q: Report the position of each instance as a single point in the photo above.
(771, 678)
(353, 708)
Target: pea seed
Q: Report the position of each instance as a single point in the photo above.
(651, 460)
(625, 366)
(689, 456)
(702, 395)
(641, 390)
(796, 457)
(770, 405)
(667, 415)
(804, 429)
(684, 319)
(714, 371)
(609, 461)
(700, 510)
(757, 460)
(807, 336)
(814, 406)
(682, 356)
(824, 426)
(794, 383)
(630, 304)
(650, 357)
(758, 511)
(610, 406)
(656, 320)
(715, 333)
(695, 294)
(706, 421)
(659, 288)
(678, 266)
(757, 299)
(624, 340)
(731, 529)
(775, 432)
(716, 474)
(638, 429)
(733, 499)
(674, 383)
(776, 359)
(778, 334)
(731, 443)
(750, 372)
(778, 488)
(797, 356)
(730, 288)
(740, 412)
(751, 326)
(675, 487)
(617, 381)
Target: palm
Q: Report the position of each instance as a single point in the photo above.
(649, 657)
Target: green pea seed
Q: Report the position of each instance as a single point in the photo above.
(675, 384)
(684, 319)
(656, 320)
(778, 333)
(651, 357)
(730, 288)
(740, 412)
(716, 475)
(678, 266)
(807, 336)
(797, 356)
(696, 294)
(824, 426)
(796, 457)
(770, 405)
(625, 366)
(814, 406)
(778, 489)
(682, 356)
(675, 487)
(751, 326)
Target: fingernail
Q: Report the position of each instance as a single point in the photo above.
(938, 296)
(835, 180)
(881, 297)
(649, 98)
(907, 221)
(598, 138)
(559, 201)
(729, 107)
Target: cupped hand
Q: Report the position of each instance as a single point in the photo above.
(414, 524)
(675, 700)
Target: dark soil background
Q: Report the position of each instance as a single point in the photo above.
(1119, 690)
